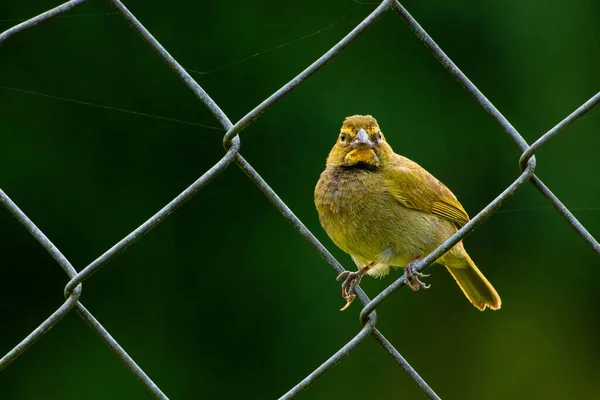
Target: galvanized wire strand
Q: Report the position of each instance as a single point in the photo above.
(156, 218)
(404, 364)
(172, 63)
(564, 211)
(57, 255)
(546, 192)
(308, 72)
(44, 327)
(578, 113)
(120, 352)
(323, 252)
(331, 362)
(70, 303)
(287, 213)
(458, 74)
(40, 18)
(36, 233)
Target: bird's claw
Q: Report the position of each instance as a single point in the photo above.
(351, 280)
(343, 275)
(411, 275)
(349, 300)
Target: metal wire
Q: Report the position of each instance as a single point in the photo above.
(231, 141)
(72, 301)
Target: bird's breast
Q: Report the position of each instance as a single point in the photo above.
(362, 217)
(356, 210)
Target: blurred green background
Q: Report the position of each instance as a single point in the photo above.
(224, 299)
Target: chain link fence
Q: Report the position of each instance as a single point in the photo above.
(232, 155)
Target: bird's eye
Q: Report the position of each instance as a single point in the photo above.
(380, 136)
(343, 137)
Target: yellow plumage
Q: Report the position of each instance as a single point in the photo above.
(385, 210)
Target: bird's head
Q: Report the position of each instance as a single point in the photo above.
(361, 144)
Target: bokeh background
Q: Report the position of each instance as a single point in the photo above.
(224, 300)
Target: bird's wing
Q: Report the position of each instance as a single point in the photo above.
(415, 188)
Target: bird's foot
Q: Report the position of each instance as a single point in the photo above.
(411, 275)
(351, 280)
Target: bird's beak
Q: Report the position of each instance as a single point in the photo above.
(362, 138)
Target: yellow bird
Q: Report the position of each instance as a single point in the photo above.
(387, 211)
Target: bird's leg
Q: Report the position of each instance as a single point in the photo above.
(351, 280)
(411, 275)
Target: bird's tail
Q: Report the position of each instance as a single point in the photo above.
(475, 286)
